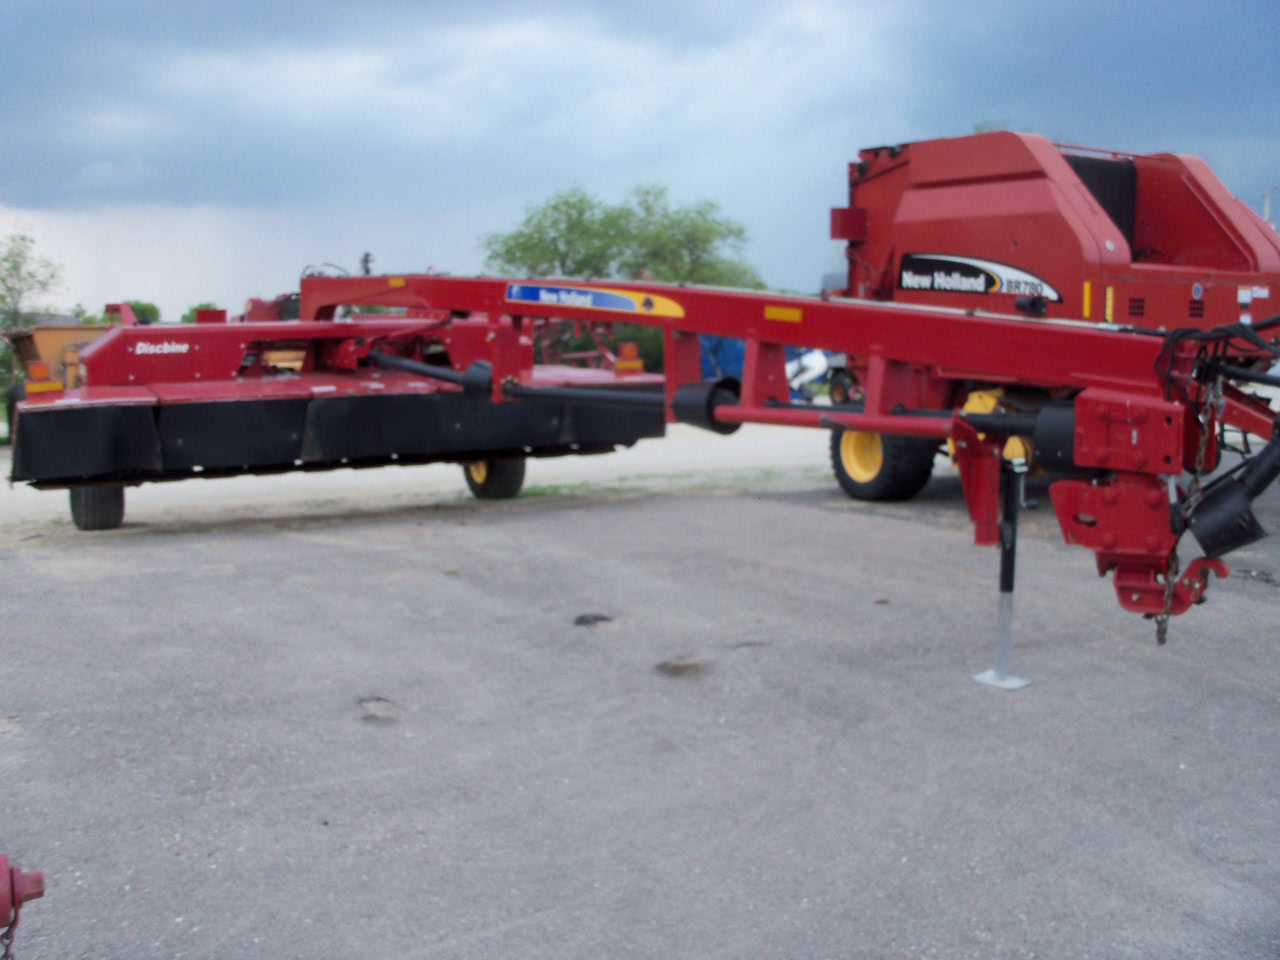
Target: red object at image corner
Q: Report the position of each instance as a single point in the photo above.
(17, 886)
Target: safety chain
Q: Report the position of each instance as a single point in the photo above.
(1213, 407)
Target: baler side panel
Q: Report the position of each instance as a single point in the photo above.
(1020, 222)
(1001, 155)
(1009, 198)
(871, 273)
(1178, 223)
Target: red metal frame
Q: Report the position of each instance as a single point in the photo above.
(919, 364)
(1125, 424)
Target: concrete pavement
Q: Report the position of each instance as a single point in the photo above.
(368, 725)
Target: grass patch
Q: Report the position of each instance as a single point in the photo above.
(581, 489)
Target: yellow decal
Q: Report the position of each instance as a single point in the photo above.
(650, 304)
(395, 282)
(783, 314)
(1111, 303)
(1088, 298)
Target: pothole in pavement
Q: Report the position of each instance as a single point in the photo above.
(378, 711)
(683, 667)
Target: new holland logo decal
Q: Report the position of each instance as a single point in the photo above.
(942, 273)
(594, 298)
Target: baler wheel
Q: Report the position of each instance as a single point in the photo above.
(97, 508)
(498, 478)
(841, 389)
(874, 466)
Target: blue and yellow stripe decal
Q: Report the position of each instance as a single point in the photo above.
(594, 298)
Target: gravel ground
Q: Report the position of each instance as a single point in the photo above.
(683, 701)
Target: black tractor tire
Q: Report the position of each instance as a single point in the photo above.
(840, 390)
(97, 508)
(12, 397)
(876, 466)
(498, 478)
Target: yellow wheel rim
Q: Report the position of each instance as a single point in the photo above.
(478, 471)
(862, 455)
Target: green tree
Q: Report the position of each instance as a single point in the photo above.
(571, 235)
(190, 315)
(145, 312)
(574, 234)
(23, 275)
(83, 315)
(693, 244)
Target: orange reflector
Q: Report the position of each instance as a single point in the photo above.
(37, 370)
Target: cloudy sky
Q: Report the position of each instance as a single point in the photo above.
(188, 151)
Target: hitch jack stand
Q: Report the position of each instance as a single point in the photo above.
(1011, 475)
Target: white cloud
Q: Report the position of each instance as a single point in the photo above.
(164, 255)
(179, 256)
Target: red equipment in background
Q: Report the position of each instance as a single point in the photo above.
(978, 222)
(1010, 222)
